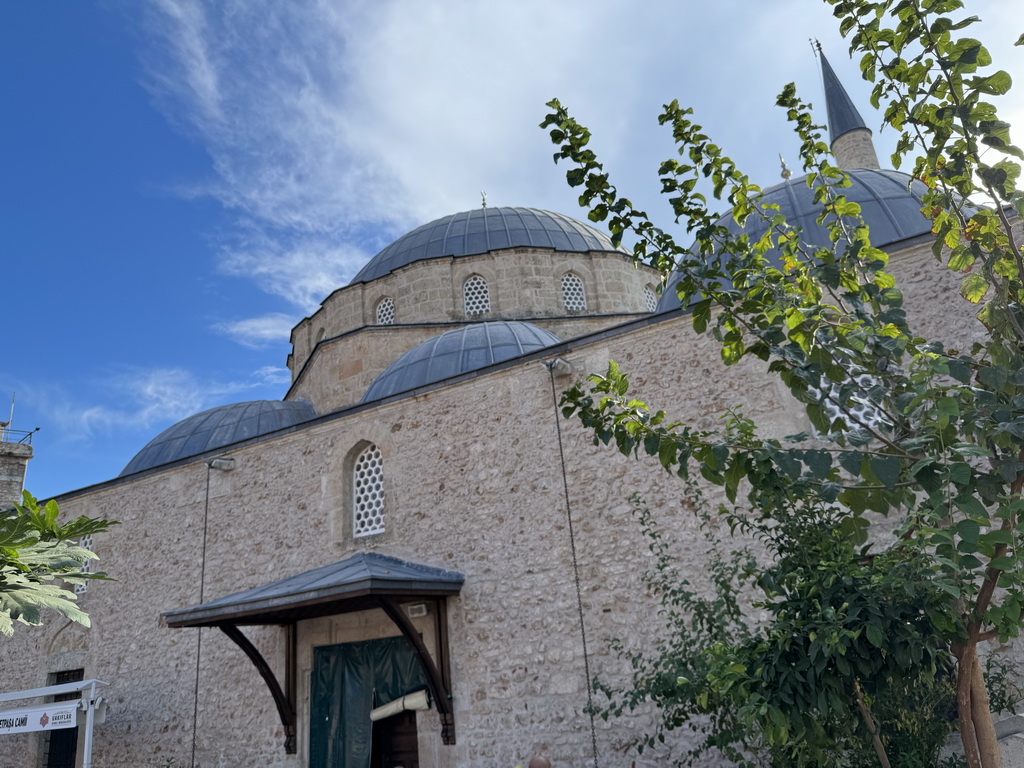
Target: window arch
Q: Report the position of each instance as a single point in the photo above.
(573, 296)
(475, 296)
(385, 314)
(368, 492)
(650, 298)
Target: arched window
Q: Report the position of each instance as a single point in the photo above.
(573, 297)
(475, 296)
(368, 492)
(386, 311)
(650, 298)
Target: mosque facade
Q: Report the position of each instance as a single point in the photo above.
(414, 531)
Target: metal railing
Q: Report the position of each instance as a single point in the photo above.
(8, 435)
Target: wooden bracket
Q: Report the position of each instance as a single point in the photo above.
(438, 687)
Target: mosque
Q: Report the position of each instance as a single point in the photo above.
(412, 559)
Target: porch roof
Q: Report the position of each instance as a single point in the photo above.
(353, 584)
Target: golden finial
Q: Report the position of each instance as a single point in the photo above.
(786, 173)
(483, 199)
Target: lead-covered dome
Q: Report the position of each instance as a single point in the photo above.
(890, 203)
(482, 230)
(458, 351)
(216, 428)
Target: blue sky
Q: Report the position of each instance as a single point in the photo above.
(183, 181)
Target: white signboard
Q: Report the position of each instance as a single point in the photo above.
(44, 717)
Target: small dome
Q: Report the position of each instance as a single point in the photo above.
(482, 230)
(458, 351)
(891, 211)
(218, 427)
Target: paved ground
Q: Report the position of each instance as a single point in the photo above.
(1011, 740)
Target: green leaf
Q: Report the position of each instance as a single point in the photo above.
(874, 635)
(818, 462)
(886, 469)
(701, 315)
(996, 84)
(974, 287)
(968, 531)
(970, 562)
(850, 461)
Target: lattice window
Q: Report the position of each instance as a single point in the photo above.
(650, 298)
(368, 493)
(86, 542)
(386, 311)
(475, 296)
(860, 409)
(573, 297)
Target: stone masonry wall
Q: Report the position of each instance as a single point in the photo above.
(14, 458)
(340, 370)
(523, 284)
(474, 482)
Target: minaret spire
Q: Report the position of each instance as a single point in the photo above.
(850, 135)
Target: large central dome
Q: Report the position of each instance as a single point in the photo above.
(482, 230)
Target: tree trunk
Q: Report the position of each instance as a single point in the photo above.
(964, 668)
(977, 730)
(981, 715)
(869, 721)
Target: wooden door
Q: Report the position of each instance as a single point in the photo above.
(394, 742)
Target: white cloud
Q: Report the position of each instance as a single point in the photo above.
(333, 126)
(300, 268)
(141, 398)
(270, 374)
(258, 332)
(145, 400)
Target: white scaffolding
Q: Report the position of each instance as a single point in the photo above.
(58, 714)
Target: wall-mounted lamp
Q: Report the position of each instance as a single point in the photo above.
(561, 367)
(221, 463)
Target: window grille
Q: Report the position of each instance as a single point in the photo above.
(475, 296)
(86, 542)
(650, 298)
(386, 311)
(572, 293)
(368, 493)
(860, 410)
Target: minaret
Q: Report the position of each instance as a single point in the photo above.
(14, 458)
(15, 451)
(851, 138)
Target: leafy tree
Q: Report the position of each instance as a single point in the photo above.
(943, 449)
(847, 651)
(35, 552)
